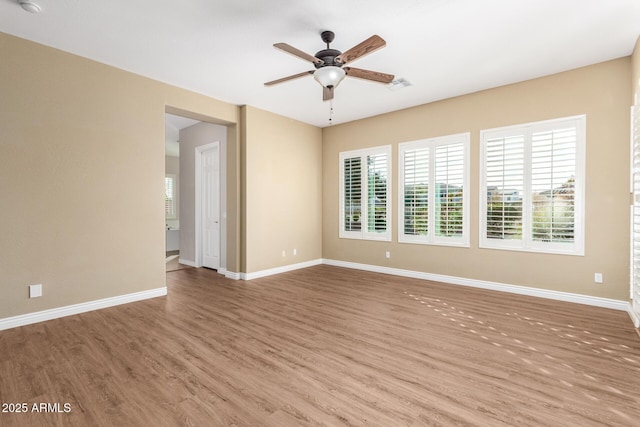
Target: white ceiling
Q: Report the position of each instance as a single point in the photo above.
(224, 49)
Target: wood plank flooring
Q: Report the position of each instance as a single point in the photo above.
(326, 346)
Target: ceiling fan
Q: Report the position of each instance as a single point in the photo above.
(329, 63)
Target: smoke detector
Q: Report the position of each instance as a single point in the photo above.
(30, 6)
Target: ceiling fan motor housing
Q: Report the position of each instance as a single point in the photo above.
(328, 56)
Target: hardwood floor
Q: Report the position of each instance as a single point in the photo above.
(326, 346)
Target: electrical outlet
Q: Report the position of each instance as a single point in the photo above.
(284, 253)
(598, 278)
(35, 291)
(387, 254)
(295, 252)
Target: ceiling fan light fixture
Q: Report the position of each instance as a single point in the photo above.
(329, 76)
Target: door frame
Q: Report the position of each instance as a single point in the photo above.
(222, 203)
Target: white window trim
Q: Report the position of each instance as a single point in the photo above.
(431, 238)
(363, 234)
(526, 244)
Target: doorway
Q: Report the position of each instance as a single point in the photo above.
(200, 142)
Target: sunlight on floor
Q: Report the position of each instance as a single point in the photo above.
(602, 345)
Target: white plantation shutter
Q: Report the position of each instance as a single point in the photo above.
(377, 179)
(415, 216)
(352, 194)
(635, 249)
(449, 190)
(434, 187)
(553, 171)
(504, 188)
(170, 196)
(533, 187)
(365, 199)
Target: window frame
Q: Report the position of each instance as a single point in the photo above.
(363, 233)
(526, 243)
(432, 144)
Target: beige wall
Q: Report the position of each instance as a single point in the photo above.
(600, 91)
(81, 177)
(283, 193)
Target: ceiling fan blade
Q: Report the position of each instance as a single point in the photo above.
(366, 47)
(369, 75)
(327, 93)
(284, 79)
(297, 52)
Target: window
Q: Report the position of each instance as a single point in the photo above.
(170, 197)
(532, 191)
(365, 194)
(434, 183)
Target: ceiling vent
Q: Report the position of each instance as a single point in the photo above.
(398, 84)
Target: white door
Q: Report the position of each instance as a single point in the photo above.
(210, 197)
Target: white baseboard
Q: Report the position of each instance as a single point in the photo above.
(229, 274)
(187, 262)
(41, 316)
(633, 315)
(278, 270)
(226, 273)
(522, 290)
(55, 313)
